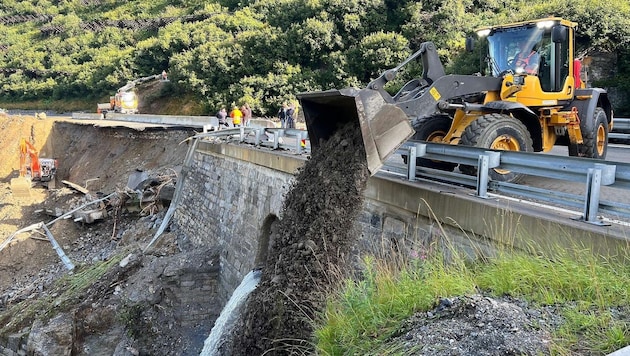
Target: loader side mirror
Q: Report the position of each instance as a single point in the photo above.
(470, 44)
(558, 34)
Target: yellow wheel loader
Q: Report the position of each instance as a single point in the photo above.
(125, 101)
(531, 98)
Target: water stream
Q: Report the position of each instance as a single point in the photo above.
(229, 314)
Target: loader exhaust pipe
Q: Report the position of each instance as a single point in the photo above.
(384, 126)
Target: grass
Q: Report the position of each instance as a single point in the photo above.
(587, 289)
(56, 105)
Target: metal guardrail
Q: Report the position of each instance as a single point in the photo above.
(294, 140)
(594, 173)
(621, 129)
(171, 120)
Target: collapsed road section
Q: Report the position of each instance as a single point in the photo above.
(136, 168)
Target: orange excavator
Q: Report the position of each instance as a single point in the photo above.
(33, 169)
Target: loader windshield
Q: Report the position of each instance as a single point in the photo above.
(516, 49)
(529, 49)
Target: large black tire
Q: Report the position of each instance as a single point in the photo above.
(432, 129)
(594, 135)
(498, 132)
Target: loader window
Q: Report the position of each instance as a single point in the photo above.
(555, 66)
(507, 44)
(552, 67)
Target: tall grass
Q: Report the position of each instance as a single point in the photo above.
(586, 289)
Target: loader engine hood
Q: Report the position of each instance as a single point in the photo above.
(384, 126)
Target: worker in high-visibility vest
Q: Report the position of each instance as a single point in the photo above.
(237, 116)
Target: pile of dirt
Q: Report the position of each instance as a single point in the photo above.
(478, 325)
(308, 249)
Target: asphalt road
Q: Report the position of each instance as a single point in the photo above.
(616, 152)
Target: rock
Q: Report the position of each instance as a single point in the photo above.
(55, 338)
(125, 261)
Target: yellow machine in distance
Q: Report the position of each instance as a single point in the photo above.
(125, 101)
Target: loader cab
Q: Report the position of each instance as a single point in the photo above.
(540, 49)
(126, 102)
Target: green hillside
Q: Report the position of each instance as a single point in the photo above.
(259, 51)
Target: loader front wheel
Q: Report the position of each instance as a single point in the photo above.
(594, 135)
(432, 129)
(497, 132)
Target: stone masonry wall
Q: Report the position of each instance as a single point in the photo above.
(224, 204)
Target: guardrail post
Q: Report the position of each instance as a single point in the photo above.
(242, 138)
(591, 197)
(411, 163)
(276, 138)
(258, 133)
(483, 164)
(298, 142)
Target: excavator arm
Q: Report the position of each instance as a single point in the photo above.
(32, 168)
(29, 159)
(29, 162)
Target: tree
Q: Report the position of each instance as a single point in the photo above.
(376, 53)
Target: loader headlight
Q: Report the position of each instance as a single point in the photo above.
(545, 24)
(518, 80)
(128, 98)
(483, 33)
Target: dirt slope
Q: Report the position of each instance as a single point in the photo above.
(96, 158)
(103, 320)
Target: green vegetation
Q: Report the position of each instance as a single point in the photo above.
(364, 314)
(260, 51)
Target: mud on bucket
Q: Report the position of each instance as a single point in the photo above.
(384, 126)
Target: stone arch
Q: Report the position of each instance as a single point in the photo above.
(263, 240)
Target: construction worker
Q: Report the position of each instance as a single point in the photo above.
(237, 116)
(527, 58)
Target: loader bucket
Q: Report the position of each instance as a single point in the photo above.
(384, 126)
(21, 187)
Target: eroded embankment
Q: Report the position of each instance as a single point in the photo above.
(155, 303)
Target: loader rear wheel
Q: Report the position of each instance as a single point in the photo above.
(594, 135)
(432, 129)
(497, 132)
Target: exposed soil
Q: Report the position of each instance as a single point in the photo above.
(136, 307)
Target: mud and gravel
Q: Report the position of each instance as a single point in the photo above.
(308, 249)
